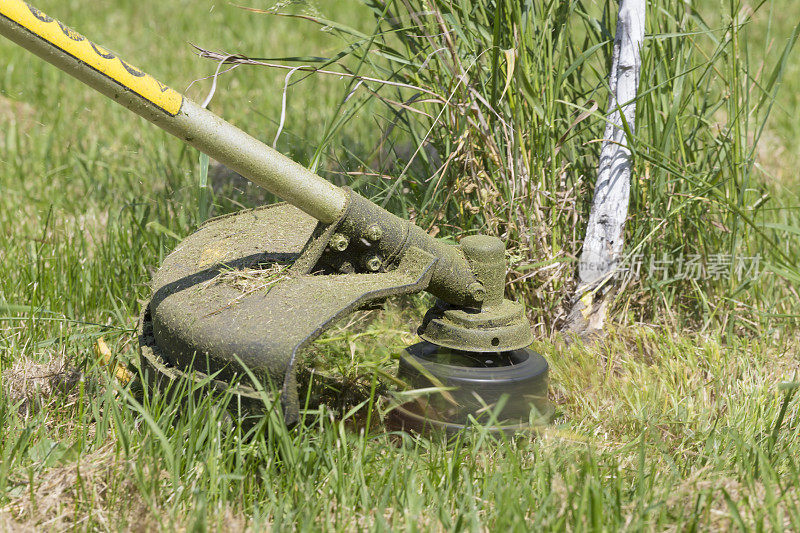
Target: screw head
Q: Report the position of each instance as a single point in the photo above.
(339, 242)
(374, 233)
(477, 291)
(373, 263)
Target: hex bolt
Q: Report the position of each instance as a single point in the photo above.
(477, 291)
(373, 263)
(339, 242)
(374, 233)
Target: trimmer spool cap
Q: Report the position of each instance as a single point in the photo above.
(500, 390)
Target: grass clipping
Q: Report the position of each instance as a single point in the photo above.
(250, 280)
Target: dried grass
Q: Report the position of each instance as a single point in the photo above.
(97, 492)
(250, 280)
(35, 385)
(68, 496)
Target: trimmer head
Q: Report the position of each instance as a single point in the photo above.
(255, 288)
(504, 391)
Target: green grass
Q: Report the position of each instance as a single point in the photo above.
(514, 107)
(657, 427)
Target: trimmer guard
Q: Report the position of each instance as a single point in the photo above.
(195, 322)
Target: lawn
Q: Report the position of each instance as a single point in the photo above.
(668, 423)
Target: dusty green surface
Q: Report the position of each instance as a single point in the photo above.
(201, 320)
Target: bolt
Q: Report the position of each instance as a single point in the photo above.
(374, 233)
(477, 291)
(339, 242)
(373, 263)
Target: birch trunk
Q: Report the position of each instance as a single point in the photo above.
(603, 245)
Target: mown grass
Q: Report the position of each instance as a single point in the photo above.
(656, 428)
(653, 432)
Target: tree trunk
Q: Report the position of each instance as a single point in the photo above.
(603, 245)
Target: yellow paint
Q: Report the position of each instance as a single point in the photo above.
(96, 57)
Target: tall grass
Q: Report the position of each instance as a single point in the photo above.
(501, 136)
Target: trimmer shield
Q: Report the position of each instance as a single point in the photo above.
(202, 318)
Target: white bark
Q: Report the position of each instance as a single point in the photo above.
(602, 247)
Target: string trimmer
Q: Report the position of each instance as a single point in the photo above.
(324, 254)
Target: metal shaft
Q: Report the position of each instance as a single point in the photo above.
(166, 108)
